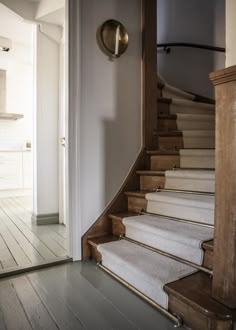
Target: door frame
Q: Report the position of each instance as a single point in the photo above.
(72, 167)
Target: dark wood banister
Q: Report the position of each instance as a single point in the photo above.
(168, 45)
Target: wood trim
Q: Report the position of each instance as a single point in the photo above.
(223, 76)
(41, 265)
(224, 263)
(149, 65)
(103, 225)
(72, 150)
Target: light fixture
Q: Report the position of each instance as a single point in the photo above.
(114, 38)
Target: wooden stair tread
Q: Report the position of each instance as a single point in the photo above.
(137, 193)
(163, 152)
(149, 172)
(209, 245)
(195, 290)
(122, 215)
(95, 241)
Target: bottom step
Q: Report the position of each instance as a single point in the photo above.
(188, 298)
(145, 270)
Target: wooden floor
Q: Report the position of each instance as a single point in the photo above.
(74, 296)
(23, 244)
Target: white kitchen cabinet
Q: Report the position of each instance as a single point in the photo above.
(27, 169)
(11, 170)
(15, 170)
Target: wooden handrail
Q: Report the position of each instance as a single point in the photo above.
(168, 45)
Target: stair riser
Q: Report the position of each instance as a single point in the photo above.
(95, 254)
(175, 109)
(190, 184)
(170, 142)
(163, 109)
(180, 142)
(164, 162)
(197, 162)
(168, 108)
(166, 93)
(193, 318)
(136, 204)
(118, 228)
(195, 125)
(208, 259)
(186, 212)
(151, 182)
(165, 124)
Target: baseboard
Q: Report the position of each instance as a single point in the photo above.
(45, 219)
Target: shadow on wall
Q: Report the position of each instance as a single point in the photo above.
(122, 138)
(192, 21)
(122, 133)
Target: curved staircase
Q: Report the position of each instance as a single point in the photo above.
(161, 245)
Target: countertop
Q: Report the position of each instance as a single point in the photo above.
(26, 150)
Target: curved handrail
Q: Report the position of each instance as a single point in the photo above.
(168, 45)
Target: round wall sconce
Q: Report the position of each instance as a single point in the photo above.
(114, 38)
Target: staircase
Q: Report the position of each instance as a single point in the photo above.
(161, 244)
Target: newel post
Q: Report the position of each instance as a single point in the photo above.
(224, 267)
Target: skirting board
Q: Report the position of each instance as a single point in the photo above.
(45, 219)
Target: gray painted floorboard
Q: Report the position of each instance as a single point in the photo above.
(74, 296)
(22, 243)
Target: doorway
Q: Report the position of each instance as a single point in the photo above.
(32, 151)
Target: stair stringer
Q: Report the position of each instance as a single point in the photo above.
(103, 226)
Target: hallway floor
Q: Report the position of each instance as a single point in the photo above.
(74, 296)
(22, 243)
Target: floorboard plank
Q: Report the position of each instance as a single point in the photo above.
(140, 313)
(60, 229)
(12, 311)
(40, 246)
(81, 297)
(33, 306)
(32, 253)
(44, 233)
(2, 323)
(18, 254)
(6, 258)
(56, 305)
(25, 216)
(26, 202)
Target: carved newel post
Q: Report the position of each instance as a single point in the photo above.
(224, 267)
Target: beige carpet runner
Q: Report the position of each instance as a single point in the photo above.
(189, 196)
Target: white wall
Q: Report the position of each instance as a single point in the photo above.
(18, 63)
(46, 126)
(230, 32)
(24, 8)
(193, 21)
(110, 113)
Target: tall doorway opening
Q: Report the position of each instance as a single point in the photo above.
(33, 113)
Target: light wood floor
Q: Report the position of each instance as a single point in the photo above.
(74, 296)
(22, 243)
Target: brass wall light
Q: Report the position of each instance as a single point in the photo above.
(114, 38)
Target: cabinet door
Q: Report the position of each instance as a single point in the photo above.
(27, 170)
(11, 170)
